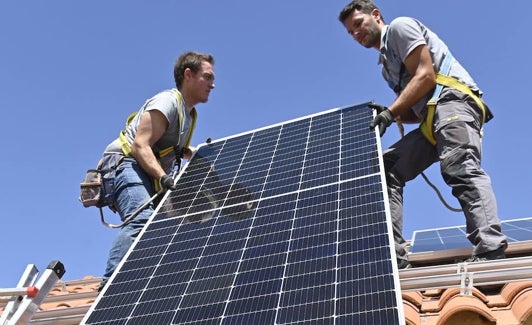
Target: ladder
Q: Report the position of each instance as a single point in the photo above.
(24, 300)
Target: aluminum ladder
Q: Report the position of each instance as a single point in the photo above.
(24, 300)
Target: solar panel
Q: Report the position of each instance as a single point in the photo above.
(439, 239)
(286, 224)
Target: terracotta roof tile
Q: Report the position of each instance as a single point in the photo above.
(522, 305)
(464, 304)
(70, 300)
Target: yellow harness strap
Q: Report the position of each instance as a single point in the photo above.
(426, 126)
(126, 147)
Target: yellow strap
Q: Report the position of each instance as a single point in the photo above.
(126, 147)
(194, 116)
(130, 118)
(427, 124)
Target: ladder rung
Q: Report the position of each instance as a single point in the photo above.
(30, 291)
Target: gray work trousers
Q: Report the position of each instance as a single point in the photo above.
(457, 129)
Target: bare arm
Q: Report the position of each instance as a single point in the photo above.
(419, 65)
(408, 117)
(151, 127)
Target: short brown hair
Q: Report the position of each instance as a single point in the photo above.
(189, 60)
(364, 6)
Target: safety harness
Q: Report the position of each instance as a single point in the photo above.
(443, 79)
(126, 147)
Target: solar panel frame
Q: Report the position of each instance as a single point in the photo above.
(315, 263)
(454, 237)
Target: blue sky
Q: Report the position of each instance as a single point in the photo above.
(71, 72)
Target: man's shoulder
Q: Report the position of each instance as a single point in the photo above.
(165, 101)
(168, 97)
(406, 29)
(401, 22)
(168, 93)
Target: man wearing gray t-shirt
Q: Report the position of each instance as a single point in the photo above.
(155, 139)
(432, 89)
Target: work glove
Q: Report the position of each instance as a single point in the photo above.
(167, 182)
(383, 120)
(377, 107)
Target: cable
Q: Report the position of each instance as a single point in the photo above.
(440, 196)
(442, 199)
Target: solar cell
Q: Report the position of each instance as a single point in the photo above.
(439, 239)
(282, 225)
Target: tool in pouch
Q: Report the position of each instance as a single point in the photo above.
(98, 187)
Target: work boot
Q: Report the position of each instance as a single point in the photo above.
(488, 256)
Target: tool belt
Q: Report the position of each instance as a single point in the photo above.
(427, 125)
(98, 187)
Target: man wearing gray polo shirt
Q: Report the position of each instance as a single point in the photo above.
(154, 140)
(432, 89)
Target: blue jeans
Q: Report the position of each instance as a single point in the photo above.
(133, 187)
